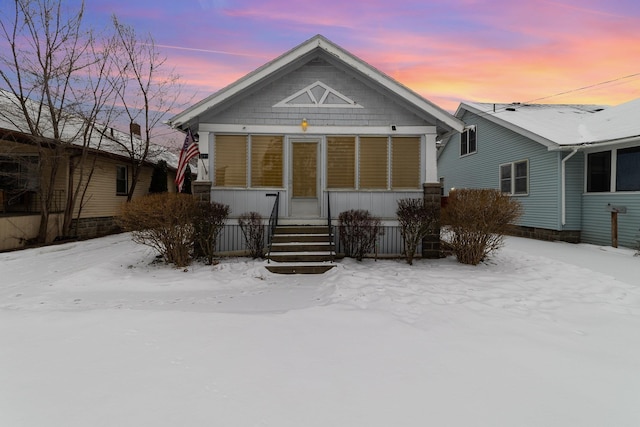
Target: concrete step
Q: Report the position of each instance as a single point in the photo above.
(301, 246)
(302, 256)
(300, 268)
(301, 229)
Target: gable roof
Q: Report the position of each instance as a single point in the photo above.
(105, 139)
(445, 120)
(563, 125)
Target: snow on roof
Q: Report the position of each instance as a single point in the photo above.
(563, 124)
(105, 139)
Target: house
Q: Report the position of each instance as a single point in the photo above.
(24, 161)
(574, 168)
(325, 132)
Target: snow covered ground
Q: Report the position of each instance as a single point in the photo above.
(96, 334)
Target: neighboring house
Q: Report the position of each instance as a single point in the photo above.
(574, 168)
(325, 131)
(21, 183)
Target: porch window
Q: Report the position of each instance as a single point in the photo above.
(122, 180)
(266, 161)
(599, 172)
(230, 161)
(341, 162)
(514, 178)
(374, 168)
(628, 169)
(468, 141)
(405, 166)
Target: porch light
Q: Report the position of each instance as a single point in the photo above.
(304, 125)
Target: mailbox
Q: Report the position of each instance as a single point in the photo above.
(616, 209)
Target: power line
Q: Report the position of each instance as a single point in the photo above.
(585, 87)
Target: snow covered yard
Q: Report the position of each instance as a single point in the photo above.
(95, 334)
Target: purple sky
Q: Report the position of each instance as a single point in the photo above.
(448, 51)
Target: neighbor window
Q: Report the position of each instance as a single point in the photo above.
(405, 164)
(599, 172)
(122, 180)
(341, 162)
(19, 173)
(374, 168)
(230, 161)
(468, 141)
(514, 178)
(266, 161)
(628, 169)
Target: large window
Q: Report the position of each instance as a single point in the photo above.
(230, 161)
(122, 180)
(514, 178)
(374, 169)
(628, 169)
(468, 143)
(266, 161)
(405, 166)
(341, 162)
(599, 172)
(19, 173)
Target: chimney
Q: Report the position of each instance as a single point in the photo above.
(134, 128)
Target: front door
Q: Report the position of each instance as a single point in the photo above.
(304, 179)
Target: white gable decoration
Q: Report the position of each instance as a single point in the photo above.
(318, 94)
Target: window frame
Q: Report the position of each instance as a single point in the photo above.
(120, 180)
(613, 170)
(465, 141)
(513, 178)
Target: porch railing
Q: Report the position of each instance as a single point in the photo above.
(330, 228)
(273, 222)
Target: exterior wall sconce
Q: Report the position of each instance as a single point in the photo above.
(304, 124)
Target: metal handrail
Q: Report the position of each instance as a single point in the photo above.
(330, 228)
(273, 222)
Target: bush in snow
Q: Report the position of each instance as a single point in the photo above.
(359, 231)
(416, 221)
(208, 222)
(478, 219)
(163, 221)
(252, 227)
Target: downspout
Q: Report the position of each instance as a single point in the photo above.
(564, 184)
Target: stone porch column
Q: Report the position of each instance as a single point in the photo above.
(431, 242)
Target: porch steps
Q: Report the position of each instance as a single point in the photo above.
(301, 249)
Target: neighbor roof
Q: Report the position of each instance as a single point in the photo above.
(318, 42)
(563, 125)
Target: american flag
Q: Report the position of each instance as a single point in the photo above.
(188, 152)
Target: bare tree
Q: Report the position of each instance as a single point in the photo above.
(146, 91)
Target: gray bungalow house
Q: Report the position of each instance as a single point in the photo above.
(322, 130)
(575, 168)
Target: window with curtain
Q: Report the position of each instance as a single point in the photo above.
(230, 161)
(266, 161)
(628, 169)
(405, 166)
(341, 162)
(374, 168)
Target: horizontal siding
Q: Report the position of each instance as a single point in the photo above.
(574, 187)
(596, 219)
(495, 146)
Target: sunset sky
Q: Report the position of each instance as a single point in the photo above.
(447, 51)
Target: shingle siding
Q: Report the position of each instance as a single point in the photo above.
(257, 108)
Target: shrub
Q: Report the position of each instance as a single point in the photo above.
(208, 222)
(478, 219)
(252, 227)
(358, 232)
(163, 221)
(416, 221)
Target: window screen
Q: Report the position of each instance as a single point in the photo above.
(230, 161)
